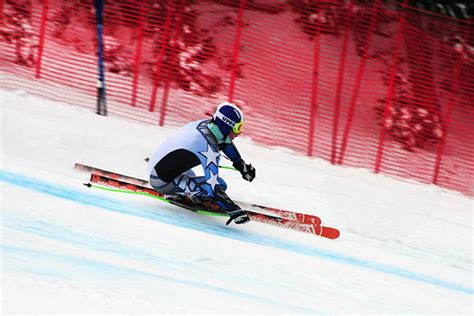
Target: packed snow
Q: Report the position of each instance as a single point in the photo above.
(404, 248)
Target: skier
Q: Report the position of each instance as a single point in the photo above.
(200, 143)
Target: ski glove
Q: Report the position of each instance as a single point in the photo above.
(238, 216)
(247, 171)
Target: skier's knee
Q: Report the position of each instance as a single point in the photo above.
(161, 186)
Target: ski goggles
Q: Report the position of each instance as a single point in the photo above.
(236, 127)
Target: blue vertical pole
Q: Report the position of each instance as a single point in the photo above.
(101, 101)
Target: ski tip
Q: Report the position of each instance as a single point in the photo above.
(330, 232)
(88, 184)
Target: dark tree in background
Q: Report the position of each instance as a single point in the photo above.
(191, 49)
(459, 9)
(316, 15)
(408, 122)
(16, 29)
(415, 118)
(188, 49)
(420, 58)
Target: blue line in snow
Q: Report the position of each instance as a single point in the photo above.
(177, 220)
(125, 272)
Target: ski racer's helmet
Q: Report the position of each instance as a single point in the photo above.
(228, 118)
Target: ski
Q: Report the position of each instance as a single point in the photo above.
(311, 228)
(295, 216)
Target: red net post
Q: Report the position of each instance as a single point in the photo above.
(340, 82)
(390, 90)
(164, 102)
(375, 12)
(236, 50)
(173, 50)
(138, 54)
(163, 46)
(42, 31)
(314, 89)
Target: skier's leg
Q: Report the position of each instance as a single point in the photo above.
(162, 186)
(181, 185)
(222, 202)
(187, 188)
(201, 180)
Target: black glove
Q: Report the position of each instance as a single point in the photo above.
(247, 171)
(238, 216)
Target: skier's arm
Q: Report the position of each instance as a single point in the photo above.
(247, 170)
(231, 151)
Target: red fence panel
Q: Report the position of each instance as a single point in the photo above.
(368, 84)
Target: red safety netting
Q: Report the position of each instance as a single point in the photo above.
(368, 84)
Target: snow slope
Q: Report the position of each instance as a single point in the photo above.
(405, 248)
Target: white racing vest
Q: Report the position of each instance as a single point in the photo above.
(196, 138)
